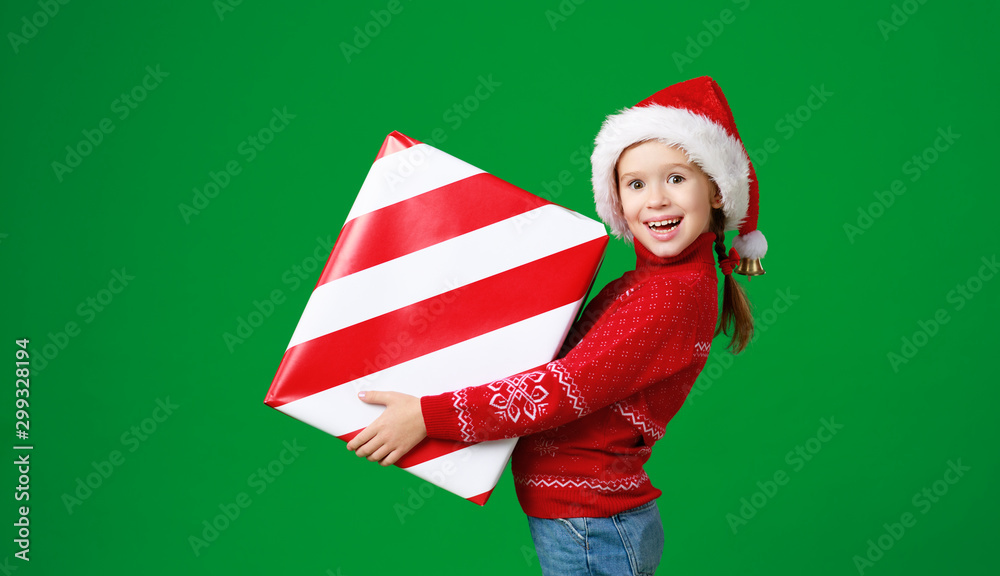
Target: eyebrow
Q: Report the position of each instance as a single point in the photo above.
(639, 172)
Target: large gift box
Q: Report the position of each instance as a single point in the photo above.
(442, 277)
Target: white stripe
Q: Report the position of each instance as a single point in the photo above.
(485, 358)
(442, 267)
(406, 174)
(470, 471)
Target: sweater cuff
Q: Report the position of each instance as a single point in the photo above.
(440, 418)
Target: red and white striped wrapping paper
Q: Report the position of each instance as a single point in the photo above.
(442, 277)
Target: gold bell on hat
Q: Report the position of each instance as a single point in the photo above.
(750, 267)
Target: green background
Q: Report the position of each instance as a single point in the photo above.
(830, 310)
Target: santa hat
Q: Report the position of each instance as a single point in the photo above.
(694, 116)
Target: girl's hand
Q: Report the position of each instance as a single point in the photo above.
(395, 432)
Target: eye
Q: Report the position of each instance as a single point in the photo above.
(675, 179)
(636, 184)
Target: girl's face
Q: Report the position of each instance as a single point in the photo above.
(667, 200)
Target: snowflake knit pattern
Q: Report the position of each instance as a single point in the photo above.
(590, 418)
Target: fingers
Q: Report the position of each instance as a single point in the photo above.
(366, 435)
(371, 443)
(379, 454)
(397, 430)
(361, 439)
(375, 450)
(373, 396)
(393, 457)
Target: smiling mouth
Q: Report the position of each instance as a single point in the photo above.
(664, 225)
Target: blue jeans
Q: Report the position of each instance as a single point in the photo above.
(628, 543)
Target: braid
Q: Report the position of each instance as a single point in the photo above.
(736, 313)
(718, 221)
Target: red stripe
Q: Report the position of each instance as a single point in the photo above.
(482, 498)
(396, 142)
(410, 225)
(427, 449)
(466, 312)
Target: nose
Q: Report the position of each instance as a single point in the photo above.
(657, 196)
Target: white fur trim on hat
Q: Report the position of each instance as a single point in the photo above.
(751, 245)
(706, 143)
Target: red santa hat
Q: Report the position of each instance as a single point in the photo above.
(694, 116)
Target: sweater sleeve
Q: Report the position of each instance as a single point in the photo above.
(644, 339)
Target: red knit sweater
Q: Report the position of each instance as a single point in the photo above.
(590, 418)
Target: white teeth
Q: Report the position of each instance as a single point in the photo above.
(671, 222)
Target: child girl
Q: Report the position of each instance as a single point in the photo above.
(670, 175)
